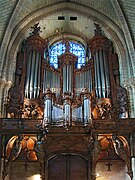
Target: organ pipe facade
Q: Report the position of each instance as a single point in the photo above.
(101, 66)
(68, 91)
(33, 74)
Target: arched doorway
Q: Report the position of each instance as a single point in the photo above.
(68, 167)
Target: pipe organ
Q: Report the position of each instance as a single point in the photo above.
(67, 93)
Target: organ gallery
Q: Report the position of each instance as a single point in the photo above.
(66, 116)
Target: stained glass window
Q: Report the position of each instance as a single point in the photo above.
(75, 48)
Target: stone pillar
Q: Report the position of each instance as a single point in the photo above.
(130, 86)
(133, 167)
(2, 84)
(0, 154)
(132, 147)
(4, 88)
(130, 98)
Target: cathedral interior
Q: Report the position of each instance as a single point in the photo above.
(67, 88)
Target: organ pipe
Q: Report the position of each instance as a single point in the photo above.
(51, 80)
(48, 110)
(27, 75)
(64, 79)
(35, 75)
(102, 75)
(32, 74)
(90, 80)
(57, 113)
(39, 75)
(67, 112)
(83, 79)
(77, 114)
(87, 111)
(98, 75)
(48, 99)
(106, 74)
(96, 79)
(67, 78)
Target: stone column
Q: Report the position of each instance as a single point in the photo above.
(133, 167)
(4, 88)
(130, 86)
(132, 147)
(2, 84)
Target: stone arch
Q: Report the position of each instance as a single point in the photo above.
(126, 32)
(9, 57)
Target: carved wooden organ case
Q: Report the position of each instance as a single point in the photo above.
(67, 95)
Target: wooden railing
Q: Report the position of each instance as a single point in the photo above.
(8, 125)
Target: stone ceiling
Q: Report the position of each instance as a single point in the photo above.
(17, 16)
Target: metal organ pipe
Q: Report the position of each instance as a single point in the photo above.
(51, 80)
(96, 78)
(57, 114)
(77, 84)
(87, 110)
(102, 74)
(106, 70)
(70, 78)
(67, 112)
(39, 74)
(67, 78)
(90, 80)
(48, 106)
(44, 81)
(77, 114)
(32, 75)
(27, 75)
(48, 110)
(64, 79)
(83, 79)
(57, 84)
(98, 75)
(35, 75)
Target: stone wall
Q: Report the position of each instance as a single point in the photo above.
(117, 171)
